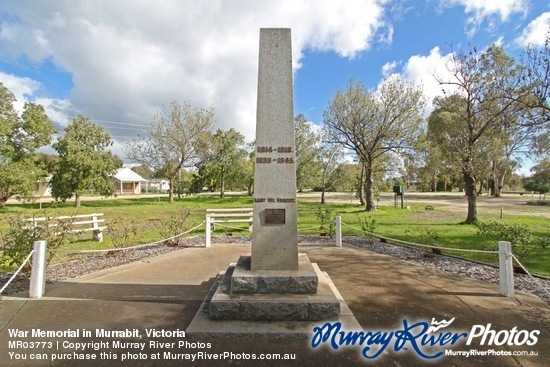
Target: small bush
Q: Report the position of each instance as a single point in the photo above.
(123, 232)
(426, 237)
(523, 241)
(17, 242)
(326, 218)
(173, 225)
(367, 224)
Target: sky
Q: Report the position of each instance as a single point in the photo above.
(120, 62)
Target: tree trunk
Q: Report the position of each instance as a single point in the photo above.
(361, 183)
(323, 192)
(434, 183)
(369, 197)
(500, 184)
(480, 191)
(470, 182)
(77, 201)
(492, 180)
(3, 200)
(171, 189)
(222, 184)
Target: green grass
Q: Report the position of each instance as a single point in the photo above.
(391, 223)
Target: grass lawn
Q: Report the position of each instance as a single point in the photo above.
(148, 213)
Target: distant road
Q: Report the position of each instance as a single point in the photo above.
(453, 201)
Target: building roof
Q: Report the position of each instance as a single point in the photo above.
(127, 175)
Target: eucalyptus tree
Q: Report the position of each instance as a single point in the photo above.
(540, 178)
(372, 123)
(307, 153)
(224, 154)
(144, 171)
(85, 163)
(20, 137)
(479, 112)
(172, 140)
(329, 158)
(535, 96)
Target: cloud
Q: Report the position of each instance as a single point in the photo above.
(536, 32)
(389, 67)
(480, 11)
(22, 88)
(425, 71)
(128, 59)
(29, 90)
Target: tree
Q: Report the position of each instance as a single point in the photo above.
(183, 183)
(224, 153)
(540, 179)
(535, 95)
(329, 159)
(372, 123)
(144, 171)
(348, 177)
(20, 137)
(432, 163)
(84, 163)
(247, 173)
(206, 178)
(477, 113)
(171, 142)
(446, 133)
(307, 152)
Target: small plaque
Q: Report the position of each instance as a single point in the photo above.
(275, 216)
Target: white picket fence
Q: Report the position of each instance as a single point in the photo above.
(78, 224)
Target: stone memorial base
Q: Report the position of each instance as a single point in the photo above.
(270, 303)
(302, 281)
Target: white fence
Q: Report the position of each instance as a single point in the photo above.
(78, 224)
(224, 216)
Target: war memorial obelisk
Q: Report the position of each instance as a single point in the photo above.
(275, 291)
(275, 237)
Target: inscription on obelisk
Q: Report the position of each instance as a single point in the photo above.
(274, 236)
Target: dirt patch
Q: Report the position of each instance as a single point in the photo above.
(449, 202)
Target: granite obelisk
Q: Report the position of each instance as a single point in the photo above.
(275, 291)
(274, 238)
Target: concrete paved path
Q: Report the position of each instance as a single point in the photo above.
(164, 293)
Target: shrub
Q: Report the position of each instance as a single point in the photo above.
(17, 242)
(174, 224)
(426, 237)
(367, 224)
(523, 241)
(326, 218)
(123, 232)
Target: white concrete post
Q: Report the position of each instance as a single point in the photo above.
(338, 220)
(506, 269)
(97, 234)
(208, 231)
(38, 271)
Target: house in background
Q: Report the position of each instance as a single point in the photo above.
(127, 182)
(43, 187)
(158, 185)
